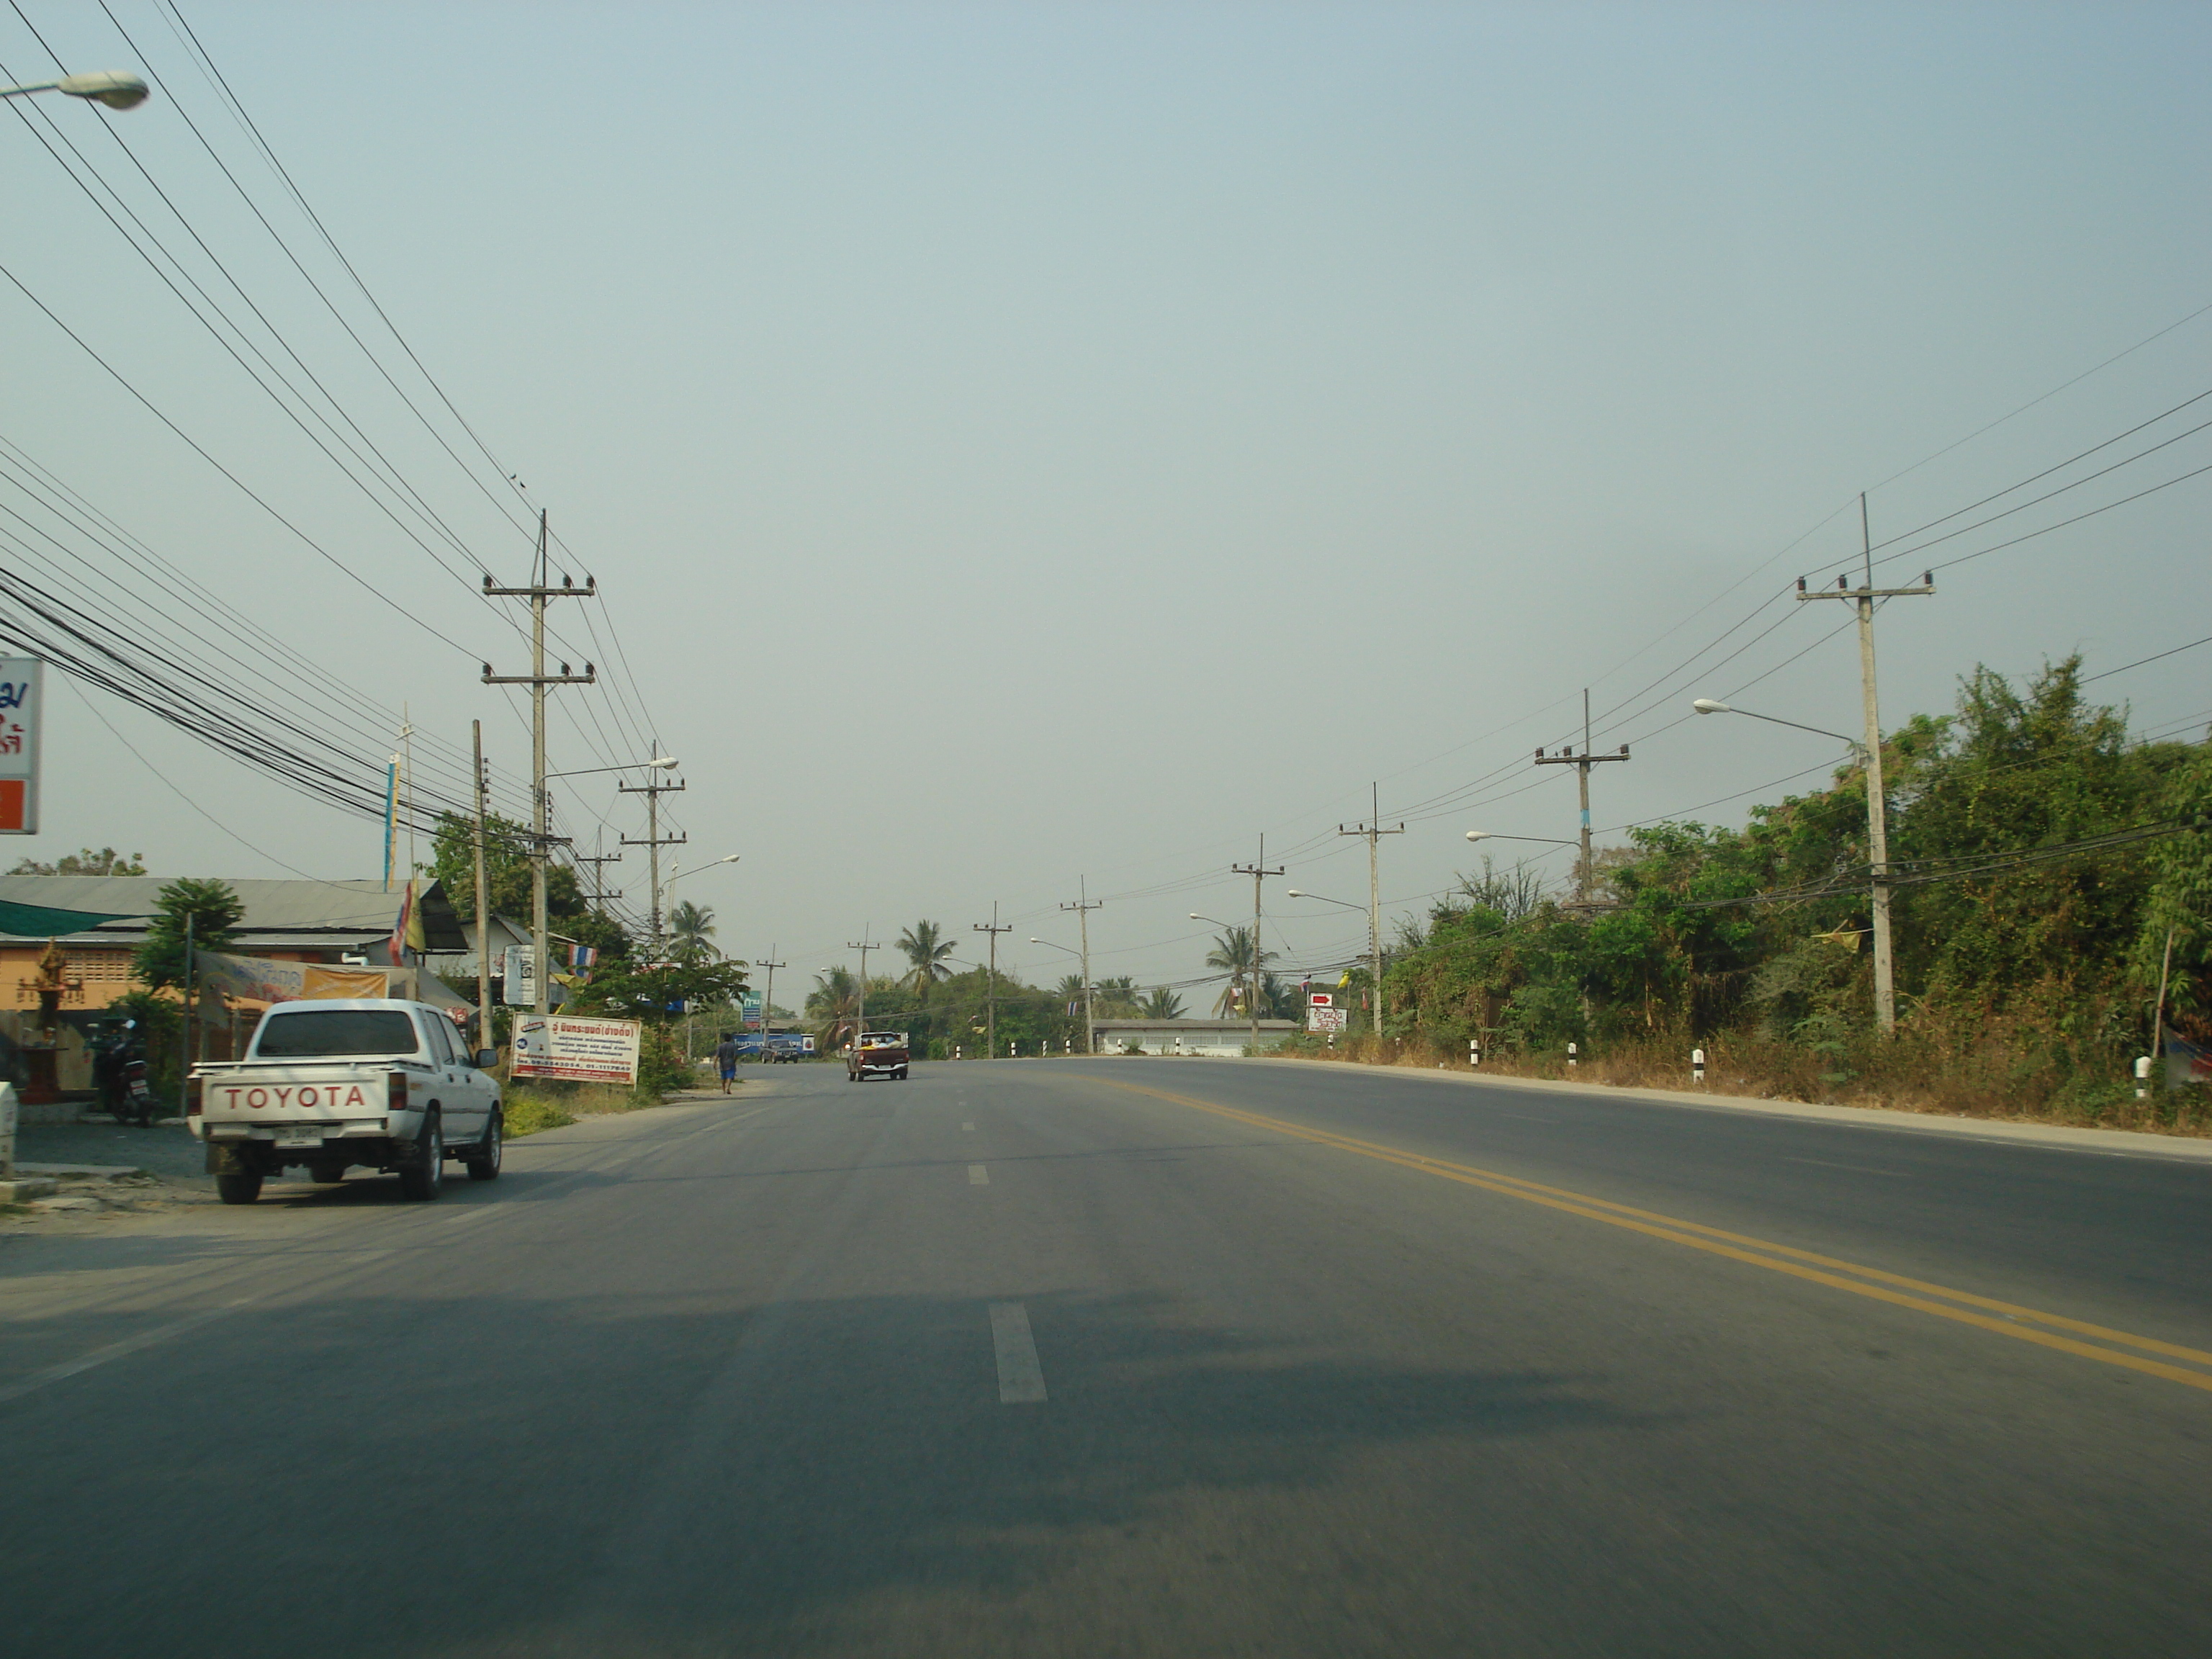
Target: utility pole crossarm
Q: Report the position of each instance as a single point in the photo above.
(1581, 763)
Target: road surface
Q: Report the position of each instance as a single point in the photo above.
(1134, 1357)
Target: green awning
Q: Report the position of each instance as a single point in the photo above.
(37, 921)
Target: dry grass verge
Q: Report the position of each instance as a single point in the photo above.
(1993, 1072)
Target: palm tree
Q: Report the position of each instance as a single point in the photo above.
(1162, 1004)
(834, 1004)
(691, 929)
(926, 949)
(1233, 950)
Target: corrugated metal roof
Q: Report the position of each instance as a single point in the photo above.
(279, 914)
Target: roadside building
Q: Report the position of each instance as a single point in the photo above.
(332, 923)
(1215, 1037)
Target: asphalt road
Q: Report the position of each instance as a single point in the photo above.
(1134, 1358)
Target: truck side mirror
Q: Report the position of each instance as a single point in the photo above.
(486, 1058)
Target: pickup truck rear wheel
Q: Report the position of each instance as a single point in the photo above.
(483, 1157)
(241, 1188)
(423, 1178)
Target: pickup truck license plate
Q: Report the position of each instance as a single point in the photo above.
(301, 1138)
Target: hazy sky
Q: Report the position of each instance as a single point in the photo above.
(1019, 445)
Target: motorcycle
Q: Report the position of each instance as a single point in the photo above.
(125, 1078)
(137, 1093)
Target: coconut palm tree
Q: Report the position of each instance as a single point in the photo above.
(1162, 1004)
(925, 947)
(1233, 950)
(834, 1004)
(691, 932)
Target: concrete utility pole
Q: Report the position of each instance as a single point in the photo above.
(768, 1002)
(864, 945)
(537, 679)
(1082, 910)
(1581, 763)
(1259, 873)
(1373, 831)
(1885, 969)
(653, 841)
(483, 898)
(991, 982)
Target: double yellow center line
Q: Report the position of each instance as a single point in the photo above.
(2008, 1319)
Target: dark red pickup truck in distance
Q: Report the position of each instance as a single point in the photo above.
(876, 1054)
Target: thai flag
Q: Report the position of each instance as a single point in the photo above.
(582, 958)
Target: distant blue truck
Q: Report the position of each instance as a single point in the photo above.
(782, 1047)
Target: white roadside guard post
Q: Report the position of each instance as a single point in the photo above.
(1698, 1067)
(1474, 1051)
(1570, 1056)
(2142, 1076)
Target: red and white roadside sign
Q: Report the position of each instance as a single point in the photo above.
(1320, 1018)
(22, 698)
(576, 1049)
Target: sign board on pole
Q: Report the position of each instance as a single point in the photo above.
(1327, 1019)
(522, 971)
(1321, 999)
(576, 1050)
(749, 1008)
(22, 696)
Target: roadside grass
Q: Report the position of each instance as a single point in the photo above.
(532, 1107)
(2012, 1071)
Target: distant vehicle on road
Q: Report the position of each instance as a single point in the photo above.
(876, 1054)
(788, 1048)
(329, 1084)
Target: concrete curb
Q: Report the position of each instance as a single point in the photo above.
(2110, 1143)
(23, 1190)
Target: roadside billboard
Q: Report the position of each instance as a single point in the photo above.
(1320, 1018)
(22, 699)
(576, 1050)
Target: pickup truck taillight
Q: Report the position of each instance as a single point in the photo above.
(395, 1091)
(191, 1096)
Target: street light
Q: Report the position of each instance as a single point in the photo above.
(1488, 835)
(666, 762)
(1323, 898)
(117, 89)
(1708, 706)
(677, 875)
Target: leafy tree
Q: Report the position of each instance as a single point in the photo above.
(105, 862)
(925, 948)
(2174, 938)
(628, 989)
(1162, 1004)
(214, 910)
(507, 871)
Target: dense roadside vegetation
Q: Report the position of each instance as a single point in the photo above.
(2044, 889)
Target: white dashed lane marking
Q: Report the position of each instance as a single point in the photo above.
(1021, 1379)
(978, 1175)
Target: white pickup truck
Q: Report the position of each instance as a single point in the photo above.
(329, 1084)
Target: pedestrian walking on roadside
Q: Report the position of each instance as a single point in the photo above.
(726, 1056)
